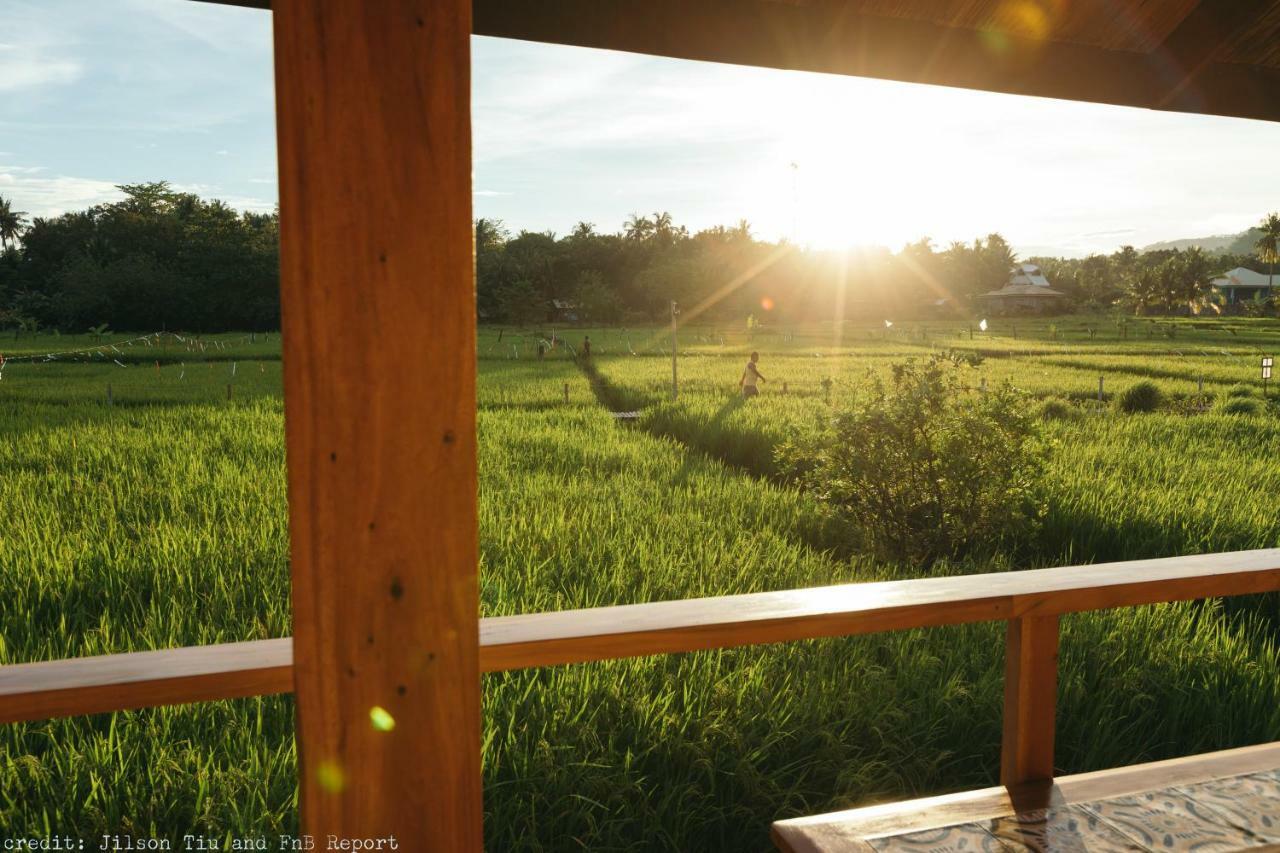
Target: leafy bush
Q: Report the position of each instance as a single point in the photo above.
(923, 468)
(1145, 396)
(1240, 406)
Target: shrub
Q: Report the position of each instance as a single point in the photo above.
(923, 468)
(1240, 406)
(1055, 409)
(1241, 391)
(1145, 396)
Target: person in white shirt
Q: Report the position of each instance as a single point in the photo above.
(750, 376)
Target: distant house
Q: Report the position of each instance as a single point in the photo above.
(1027, 292)
(564, 311)
(1241, 285)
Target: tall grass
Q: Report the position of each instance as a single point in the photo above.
(160, 521)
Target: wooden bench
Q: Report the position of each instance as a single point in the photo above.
(1220, 800)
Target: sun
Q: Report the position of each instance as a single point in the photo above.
(858, 165)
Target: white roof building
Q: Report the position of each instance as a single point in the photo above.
(1027, 274)
(1028, 291)
(1240, 283)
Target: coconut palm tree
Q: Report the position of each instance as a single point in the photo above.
(1268, 245)
(12, 223)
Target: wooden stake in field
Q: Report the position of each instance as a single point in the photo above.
(110, 402)
(675, 387)
(566, 392)
(1099, 389)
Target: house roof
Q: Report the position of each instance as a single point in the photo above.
(1027, 274)
(1023, 290)
(1201, 56)
(1241, 277)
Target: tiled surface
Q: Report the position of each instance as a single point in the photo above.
(1236, 813)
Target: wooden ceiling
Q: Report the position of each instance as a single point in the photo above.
(1203, 56)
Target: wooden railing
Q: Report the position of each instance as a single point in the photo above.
(1029, 601)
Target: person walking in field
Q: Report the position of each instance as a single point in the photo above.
(750, 376)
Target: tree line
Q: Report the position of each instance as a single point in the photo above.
(157, 259)
(163, 259)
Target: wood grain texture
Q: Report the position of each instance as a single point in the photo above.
(378, 301)
(840, 831)
(91, 685)
(544, 639)
(1030, 699)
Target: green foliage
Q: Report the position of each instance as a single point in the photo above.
(1242, 391)
(161, 521)
(156, 259)
(1144, 396)
(1241, 406)
(924, 468)
(1055, 409)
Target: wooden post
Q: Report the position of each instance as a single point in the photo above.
(110, 402)
(1030, 699)
(675, 347)
(566, 392)
(374, 139)
(1099, 389)
(228, 392)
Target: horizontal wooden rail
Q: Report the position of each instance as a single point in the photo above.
(92, 685)
(632, 630)
(201, 673)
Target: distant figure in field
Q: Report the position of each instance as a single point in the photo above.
(750, 376)
(586, 347)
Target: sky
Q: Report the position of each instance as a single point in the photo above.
(95, 93)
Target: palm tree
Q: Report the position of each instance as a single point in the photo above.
(1268, 245)
(12, 223)
(638, 228)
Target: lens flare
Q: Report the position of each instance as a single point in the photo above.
(330, 776)
(381, 719)
(766, 304)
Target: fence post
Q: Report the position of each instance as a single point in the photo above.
(228, 392)
(1099, 389)
(110, 402)
(1030, 699)
(566, 392)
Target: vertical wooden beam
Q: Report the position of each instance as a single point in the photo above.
(1030, 699)
(373, 121)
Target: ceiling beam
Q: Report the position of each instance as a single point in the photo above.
(1192, 46)
(830, 37)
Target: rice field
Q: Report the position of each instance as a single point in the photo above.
(159, 519)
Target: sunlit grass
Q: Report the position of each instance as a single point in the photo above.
(160, 521)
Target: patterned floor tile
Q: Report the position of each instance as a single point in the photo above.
(1250, 803)
(1061, 830)
(1169, 820)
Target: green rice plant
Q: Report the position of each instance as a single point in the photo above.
(1241, 406)
(160, 520)
(1143, 396)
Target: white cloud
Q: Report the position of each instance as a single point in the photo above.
(31, 64)
(29, 189)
